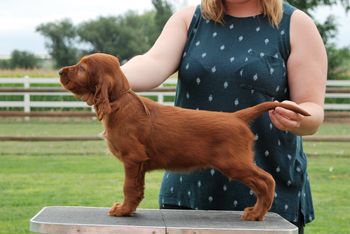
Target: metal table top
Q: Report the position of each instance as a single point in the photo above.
(89, 220)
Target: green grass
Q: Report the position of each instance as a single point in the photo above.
(34, 175)
(330, 176)
(29, 183)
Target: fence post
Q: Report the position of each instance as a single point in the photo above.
(26, 83)
(160, 98)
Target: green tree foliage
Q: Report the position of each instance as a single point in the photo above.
(163, 11)
(20, 59)
(60, 41)
(5, 64)
(23, 59)
(338, 58)
(124, 36)
(339, 63)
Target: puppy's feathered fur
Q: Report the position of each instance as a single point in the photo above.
(145, 135)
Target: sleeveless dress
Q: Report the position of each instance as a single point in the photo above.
(226, 68)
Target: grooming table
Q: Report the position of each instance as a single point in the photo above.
(91, 220)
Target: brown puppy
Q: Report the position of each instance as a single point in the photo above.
(145, 135)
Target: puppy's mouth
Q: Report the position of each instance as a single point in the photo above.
(64, 80)
(73, 87)
(63, 77)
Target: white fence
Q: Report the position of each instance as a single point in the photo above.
(338, 89)
(27, 104)
(335, 89)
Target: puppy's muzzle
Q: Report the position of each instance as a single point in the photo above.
(61, 72)
(63, 76)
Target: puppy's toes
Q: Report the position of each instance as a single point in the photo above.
(115, 210)
(250, 214)
(118, 210)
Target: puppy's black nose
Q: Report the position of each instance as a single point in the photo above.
(61, 71)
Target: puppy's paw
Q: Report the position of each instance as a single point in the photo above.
(119, 210)
(250, 214)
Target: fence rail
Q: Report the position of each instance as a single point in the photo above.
(345, 138)
(336, 89)
(27, 91)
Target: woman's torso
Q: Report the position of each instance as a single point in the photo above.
(227, 68)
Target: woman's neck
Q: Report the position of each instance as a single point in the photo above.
(242, 8)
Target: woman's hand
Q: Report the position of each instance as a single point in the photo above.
(286, 120)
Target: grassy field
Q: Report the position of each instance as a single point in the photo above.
(34, 175)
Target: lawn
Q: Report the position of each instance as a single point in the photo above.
(34, 175)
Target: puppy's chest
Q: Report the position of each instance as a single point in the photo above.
(112, 144)
(121, 137)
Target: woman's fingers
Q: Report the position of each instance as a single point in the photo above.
(284, 119)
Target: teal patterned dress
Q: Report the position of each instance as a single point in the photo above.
(226, 68)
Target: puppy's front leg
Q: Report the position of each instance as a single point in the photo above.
(133, 189)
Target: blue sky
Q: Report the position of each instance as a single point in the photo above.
(19, 18)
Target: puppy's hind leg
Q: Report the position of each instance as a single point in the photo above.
(261, 182)
(263, 185)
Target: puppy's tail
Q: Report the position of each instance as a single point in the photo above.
(251, 113)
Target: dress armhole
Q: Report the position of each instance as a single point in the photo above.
(194, 21)
(284, 30)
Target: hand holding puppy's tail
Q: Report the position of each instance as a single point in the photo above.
(251, 113)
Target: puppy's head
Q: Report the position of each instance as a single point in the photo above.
(95, 79)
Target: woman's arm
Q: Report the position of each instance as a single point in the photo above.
(307, 75)
(149, 70)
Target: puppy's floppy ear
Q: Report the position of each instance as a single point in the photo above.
(101, 100)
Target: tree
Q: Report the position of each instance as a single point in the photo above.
(338, 63)
(337, 57)
(124, 36)
(163, 12)
(61, 38)
(5, 64)
(23, 59)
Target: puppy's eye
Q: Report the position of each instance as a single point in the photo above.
(81, 68)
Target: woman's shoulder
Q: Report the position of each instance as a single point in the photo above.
(302, 19)
(300, 26)
(297, 16)
(302, 22)
(186, 14)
